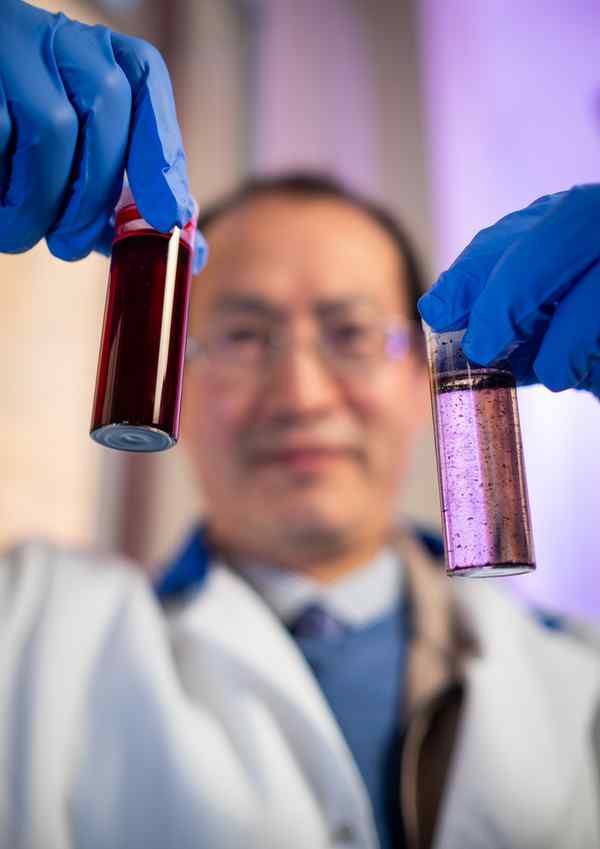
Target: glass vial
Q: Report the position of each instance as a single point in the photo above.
(140, 367)
(483, 491)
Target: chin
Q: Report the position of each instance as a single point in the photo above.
(317, 515)
(318, 539)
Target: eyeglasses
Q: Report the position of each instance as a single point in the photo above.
(247, 346)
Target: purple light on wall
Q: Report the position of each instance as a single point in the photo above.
(512, 113)
(314, 102)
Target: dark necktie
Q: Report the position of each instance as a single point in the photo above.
(316, 621)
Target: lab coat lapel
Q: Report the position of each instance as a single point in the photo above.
(524, 754)
(226, 615)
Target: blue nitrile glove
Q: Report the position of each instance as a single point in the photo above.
(528, 288)
(78, 105)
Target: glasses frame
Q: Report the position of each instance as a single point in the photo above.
(401, 335)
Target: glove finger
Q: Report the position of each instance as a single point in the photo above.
(104, 240)
(6, 137)
(521, 362)
(200, 253)
(101, 95)
(45, 130)
(571, 345)
(533, 276)
(592, 381)
(156, 165)
(448, 304)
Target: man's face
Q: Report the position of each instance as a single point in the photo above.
(299, 453)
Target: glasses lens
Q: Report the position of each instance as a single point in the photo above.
(348, 344)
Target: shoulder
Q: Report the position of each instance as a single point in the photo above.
(552, 622)
(582, 631)
(42, 561)
(504, 626)
(41, 582)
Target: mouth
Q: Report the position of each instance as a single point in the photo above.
(305, 458)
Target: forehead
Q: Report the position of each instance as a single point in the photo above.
(293, 251)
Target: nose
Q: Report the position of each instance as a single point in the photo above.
(300, 385)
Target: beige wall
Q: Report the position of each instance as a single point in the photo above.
(49, 467)
(50, 324)
(404, 183)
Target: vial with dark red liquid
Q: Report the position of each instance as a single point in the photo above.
(140, 368)
(483, 490)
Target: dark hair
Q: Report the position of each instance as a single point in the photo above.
(314, 185)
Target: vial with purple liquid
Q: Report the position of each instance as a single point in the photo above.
(483, 491)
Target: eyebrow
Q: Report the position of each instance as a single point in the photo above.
(237, 302)
(234, 302)
(332, 306)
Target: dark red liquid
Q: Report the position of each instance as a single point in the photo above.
(140, 370)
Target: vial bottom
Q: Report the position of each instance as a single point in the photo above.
(491, 570)
(126, 437)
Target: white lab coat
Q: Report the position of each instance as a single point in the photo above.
(125, 728)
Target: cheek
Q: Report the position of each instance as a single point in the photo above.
(390, 410)
(212, 420)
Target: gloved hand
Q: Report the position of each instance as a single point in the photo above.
(78, 105)
(528, 288)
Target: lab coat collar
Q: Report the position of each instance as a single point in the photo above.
(524, 754)
(188, 570)
(226, 618)
(525, 757)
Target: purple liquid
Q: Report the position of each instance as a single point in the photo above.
(482, 480)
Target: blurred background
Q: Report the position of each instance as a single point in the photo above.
(452, 114)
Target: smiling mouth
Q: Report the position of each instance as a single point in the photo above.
(305, 458)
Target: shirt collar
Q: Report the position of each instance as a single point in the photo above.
(356, 599)
(364, 595)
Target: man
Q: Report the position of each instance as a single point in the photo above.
(300, 410)
(305, 676)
